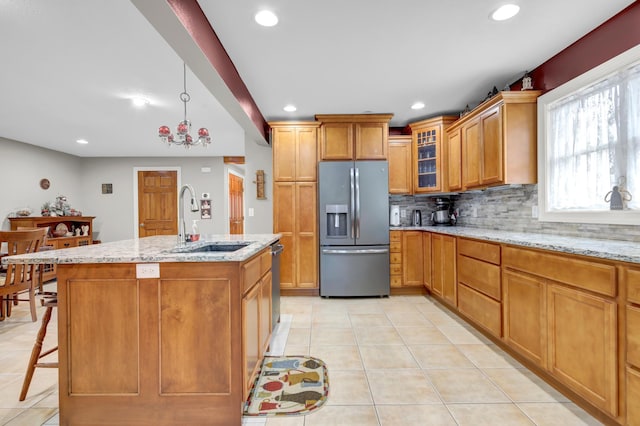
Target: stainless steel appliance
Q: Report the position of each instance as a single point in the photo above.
(443, 214)
(354, 228)
(276, 250)
(416, 218)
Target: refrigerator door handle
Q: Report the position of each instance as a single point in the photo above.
(363, 251)
(353, 201)
(357, 173)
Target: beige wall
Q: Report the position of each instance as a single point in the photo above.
(23, 165)
(81, 179)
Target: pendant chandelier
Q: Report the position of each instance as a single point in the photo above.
(183, 130)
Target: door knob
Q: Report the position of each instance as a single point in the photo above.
(142, 225)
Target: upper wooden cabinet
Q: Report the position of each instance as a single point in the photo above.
(498, 141)
(400, 176)
(295, 147)
(354, 137)
(429, 154)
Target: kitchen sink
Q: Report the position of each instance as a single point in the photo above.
(210, 247)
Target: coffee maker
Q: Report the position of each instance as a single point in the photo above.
(443, 213)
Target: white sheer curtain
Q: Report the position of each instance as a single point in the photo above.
(595, 144)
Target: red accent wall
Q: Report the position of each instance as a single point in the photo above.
(194, 20)
(618, 34)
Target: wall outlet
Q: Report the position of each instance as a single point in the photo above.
(251, 212)
(147, 270)
(534, 211)
(403, 213)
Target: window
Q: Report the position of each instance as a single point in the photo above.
(589, 146)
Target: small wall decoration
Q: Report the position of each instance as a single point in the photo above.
(107, 188)
(205, 208)
(44, 184)
(260, 185)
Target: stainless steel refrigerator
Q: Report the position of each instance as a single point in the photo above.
(354, 228)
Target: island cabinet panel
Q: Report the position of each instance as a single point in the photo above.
(251, 336)
(633, 396)
(583, 345)
(183, 304)
(524, 303)
(265, 311)
(154, 351)
(104, 362)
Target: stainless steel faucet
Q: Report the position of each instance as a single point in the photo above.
(182, 236)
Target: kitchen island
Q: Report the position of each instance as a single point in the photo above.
(150, 335)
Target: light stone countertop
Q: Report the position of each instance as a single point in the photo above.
(623, 251)
(149, 249)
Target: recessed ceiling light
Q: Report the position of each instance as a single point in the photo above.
(139, 101)
(266, 18)
(82, 141)
(417, 105)
(505, 12)
(290, 108)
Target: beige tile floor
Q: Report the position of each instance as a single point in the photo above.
(403, 360)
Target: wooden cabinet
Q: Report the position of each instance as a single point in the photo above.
(72, 223)
(395, 259)
(453, 157)
(295, 207)
(631, 281)
(400, 165)
(582, 337)
(354, 137)
(498, 141)
(524, 304)
(479, 283)
(575, 323)
(256, 316)
(295, 146)
(443, 267)
(426, 260)
(412, 269)
(429, 154)
(295, 217)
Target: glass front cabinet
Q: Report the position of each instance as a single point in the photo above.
(429, 154)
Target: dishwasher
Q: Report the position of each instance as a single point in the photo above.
(276, 250)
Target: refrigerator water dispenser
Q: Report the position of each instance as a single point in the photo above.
(337, 220)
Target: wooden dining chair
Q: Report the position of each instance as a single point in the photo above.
(20, 278)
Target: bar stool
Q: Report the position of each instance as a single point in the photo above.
(36, 352)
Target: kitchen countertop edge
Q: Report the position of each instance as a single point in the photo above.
(156, 249)
(623, 251)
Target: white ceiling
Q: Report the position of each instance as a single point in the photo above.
(69, 66)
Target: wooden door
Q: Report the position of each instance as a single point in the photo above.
(336, 141)
(306, 160)
(449, 284)
(157, 203)
(400, 175)
(284, 223)
(306, 262)
(284, 154)
(471, 154)
(492, 149)
(524, 304)
(371, 141)
(412, 258)
(454, 161)
(236, 204)
(426, 260)
(582, 334)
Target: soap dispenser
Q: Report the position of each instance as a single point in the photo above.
(195, 235)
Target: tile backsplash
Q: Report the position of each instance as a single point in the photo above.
(509, 209)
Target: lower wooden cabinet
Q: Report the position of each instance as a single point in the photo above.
(443, 267)
(412, 267)
(524, 303)
(633, 397)
(583, 346)
(395, 259)
(426, 260)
